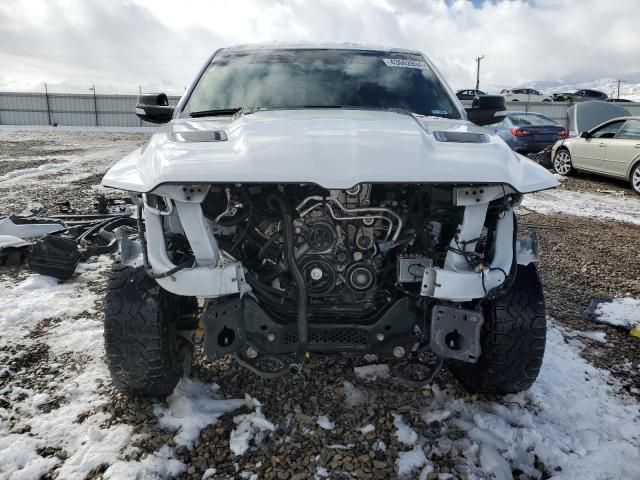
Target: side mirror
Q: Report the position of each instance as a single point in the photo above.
(154, 108)
(585, 135)
(487, 109)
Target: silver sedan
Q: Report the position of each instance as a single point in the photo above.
(611, 149)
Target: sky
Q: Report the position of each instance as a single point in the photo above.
(121, 46)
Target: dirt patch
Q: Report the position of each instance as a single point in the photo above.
(587, 182)
(35, 148)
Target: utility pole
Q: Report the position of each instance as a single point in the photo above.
(95, 103)
(46, 96)
(140, 93)
(478, 71)
(619, 87)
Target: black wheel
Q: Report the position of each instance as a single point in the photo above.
(144, 354)
(562, 164)
(513, 339)
(635, 178)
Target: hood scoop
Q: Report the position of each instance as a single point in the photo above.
(200, 136)
(460, 137)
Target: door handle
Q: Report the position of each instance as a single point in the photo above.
(637, 145)
(601, 144)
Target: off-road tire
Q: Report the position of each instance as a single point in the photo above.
(512, 339)
(144, 354)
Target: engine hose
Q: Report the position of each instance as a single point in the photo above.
(275, 274)
(273, 238)
(272, 294)
(253, 280)
(296, 274)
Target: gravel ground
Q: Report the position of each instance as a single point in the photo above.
(587, 182)
(581, 258)
(577, 264)
(70, 166)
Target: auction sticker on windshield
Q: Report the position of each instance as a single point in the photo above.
(401, 62)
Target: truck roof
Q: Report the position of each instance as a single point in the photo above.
(316, 45)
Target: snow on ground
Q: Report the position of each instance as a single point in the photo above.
(192, 406)
(573, 418)
(353, 397)
(27, 171)
(65, 413)
(594, 335)
(404, 432)
(69, 305)
(325, 423)
(620, 312)
(410, 461)
(51, 165)
(628, 90)
(250, 428)
(606, 207)
(373, 372)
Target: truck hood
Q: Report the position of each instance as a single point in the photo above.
(334, 148)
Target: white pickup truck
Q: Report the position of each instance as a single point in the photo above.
(325, 199)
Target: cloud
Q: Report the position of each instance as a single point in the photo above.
(161, 44)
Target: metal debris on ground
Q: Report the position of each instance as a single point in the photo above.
(22, 227)
(54, 255)
(594, 303)
(12, 250)
(543, 157)
(55, 245)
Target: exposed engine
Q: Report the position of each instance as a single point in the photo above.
(357, 250)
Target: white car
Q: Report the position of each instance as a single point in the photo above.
(525, 95)
(325, 199)
(611, 149)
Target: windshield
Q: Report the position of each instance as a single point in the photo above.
(320, 78)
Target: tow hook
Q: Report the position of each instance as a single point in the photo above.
(296, 367)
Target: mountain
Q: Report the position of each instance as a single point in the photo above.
(628, 90)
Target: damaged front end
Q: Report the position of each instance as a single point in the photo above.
(285, 270)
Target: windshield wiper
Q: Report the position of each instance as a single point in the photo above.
(221, 112)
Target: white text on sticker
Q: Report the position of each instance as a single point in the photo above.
(401, 62)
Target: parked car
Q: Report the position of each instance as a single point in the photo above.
(469, 94)
(580, 96)
(527, 132)
(363, 213)
(611, 149)
(525, 95)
